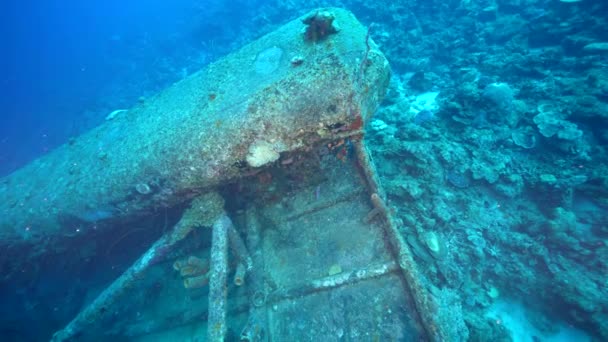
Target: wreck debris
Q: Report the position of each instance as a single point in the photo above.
(194, 270)
(238, 248)
(199, 212)
(424, 304)
(257, 323)
(191, 266)
(333, 281)
(175, 165)
(197, 281)
(327, 105)
(239, 274)
(216, 321)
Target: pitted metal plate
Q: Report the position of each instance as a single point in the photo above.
(328, 268)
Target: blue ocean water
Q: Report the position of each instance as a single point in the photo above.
(489, 145)
(67, 65)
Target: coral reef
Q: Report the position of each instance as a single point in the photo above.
(507, 178)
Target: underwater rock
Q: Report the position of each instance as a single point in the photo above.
(419, 82)
(484, 169)
(499, 94)
(548, 179)
(524, 138)
(460, 180)
(424, 102)
(512, 187)
(143, 188)
(479, 121)
(548, 125)
(378, 125)
(433, 244)
(418, 249)
(493, 292)
(424, 116)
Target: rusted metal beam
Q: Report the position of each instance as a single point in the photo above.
(218, 286)
(425, 304)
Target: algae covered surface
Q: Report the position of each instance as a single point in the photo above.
(203, 130)
(489, 146)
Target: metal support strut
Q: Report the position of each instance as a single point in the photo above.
(202, 210)
(217, 282)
